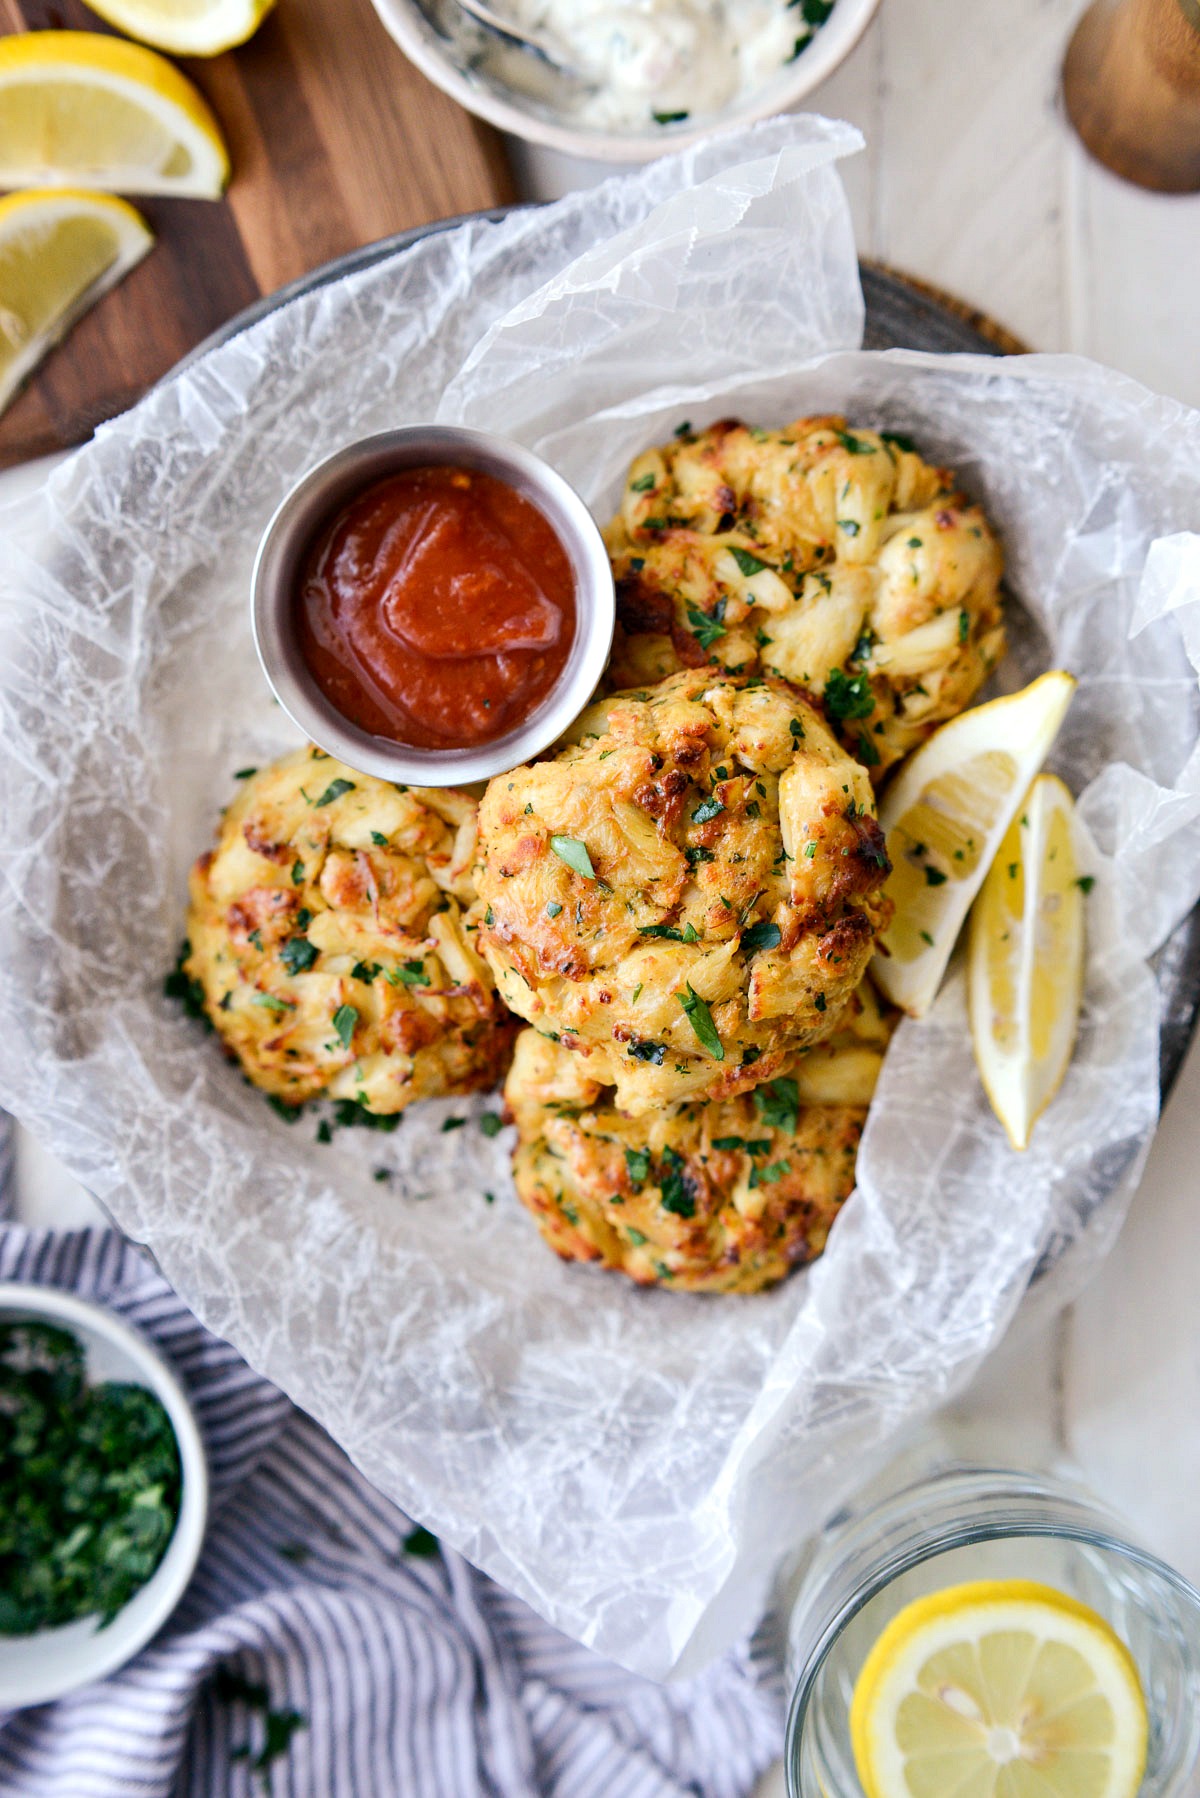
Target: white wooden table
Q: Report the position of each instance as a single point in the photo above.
(972, 181)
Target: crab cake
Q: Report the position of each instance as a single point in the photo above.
(689, 893)
(327, 935)
(723, 1197)
(836, 558)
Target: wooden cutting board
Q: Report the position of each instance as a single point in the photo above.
(336, 140)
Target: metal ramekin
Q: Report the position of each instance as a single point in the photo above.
(321, 494)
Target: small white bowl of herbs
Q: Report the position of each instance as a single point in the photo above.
(103, 1493)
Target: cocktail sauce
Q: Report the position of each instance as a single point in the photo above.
(437, 608)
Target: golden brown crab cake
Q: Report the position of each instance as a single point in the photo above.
(327, 933)
(724, 1197)
(832, 556)
(687, 894)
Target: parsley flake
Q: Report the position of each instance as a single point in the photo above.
(575, 854)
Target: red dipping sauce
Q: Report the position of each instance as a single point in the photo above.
(437, 608)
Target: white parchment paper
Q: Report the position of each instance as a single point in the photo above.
(632, 1463)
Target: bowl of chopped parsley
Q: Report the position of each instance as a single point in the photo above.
(103, 1493)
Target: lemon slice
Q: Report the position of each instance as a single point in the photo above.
(1025, 966)
(999, 1689)
(59, 251)
(78, 109)
(186, 27)
(944, 816)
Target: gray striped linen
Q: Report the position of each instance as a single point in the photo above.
(414, 1676)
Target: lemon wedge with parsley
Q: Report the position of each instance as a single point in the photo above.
(79, 109)
(944, 817)
(186, 27)
(1025, 965)
(999, 1689)
(59, 251)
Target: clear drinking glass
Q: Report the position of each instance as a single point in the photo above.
(970, 1523)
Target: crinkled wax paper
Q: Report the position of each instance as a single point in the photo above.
(631, 1462)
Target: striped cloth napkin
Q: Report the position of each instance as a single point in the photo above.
(327, 1649)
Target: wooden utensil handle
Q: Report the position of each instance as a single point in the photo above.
(1131, 86)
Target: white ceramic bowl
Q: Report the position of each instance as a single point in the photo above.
(36, 1669)
(446, 64)
(320, 494)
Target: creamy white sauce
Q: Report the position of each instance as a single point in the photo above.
(648, 59)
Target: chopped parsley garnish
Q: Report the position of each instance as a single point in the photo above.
(684, 428)
(748, 563)
(351, 1114)
(344, 1020)
(1086, 882)
(449, 1124)
(270, 1003)
(89, 1484)
(900, 440)
(851, 526)
(575, 854)
(670, 932)
(867, 752)
(421, 1542)
(245, 773)
(934, 876)
(848, 695)
(365, 970)
(636, 1238)
(819, 1002)
(409, 973)
(491, 1123)
(677, 1198)
(643, 484)
(643, 1050)
(768, 1176)
(698, 854)
(553, 909)
(707, 808)
(857, 446)
(298, 954)
(707, 626)
(701, 1020)
(333, 791)
(297, 874)
(189, 993)
(669, 118)
(379, 840)
(815, 12)
(763, 935)
(778, 1104)
(637, 1162)
(964, 624)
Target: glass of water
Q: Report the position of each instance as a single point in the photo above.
(974, 1523)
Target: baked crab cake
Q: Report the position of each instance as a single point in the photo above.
(727, 1196)
(689, 892)
(326, 932)
(832, 556)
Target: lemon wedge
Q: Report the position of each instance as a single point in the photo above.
(78, 109)
(186, 27)
(59, 251)
(999, 1689)
(1025, 964)
(944, 817)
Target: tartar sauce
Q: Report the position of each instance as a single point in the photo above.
(647, 61)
